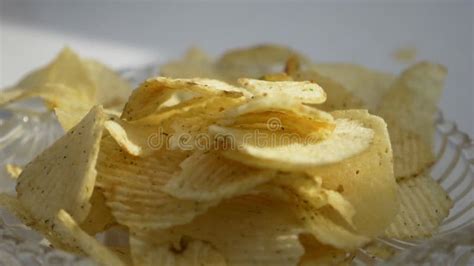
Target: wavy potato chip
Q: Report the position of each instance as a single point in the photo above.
(246, 230)
(319, 254)
(63, 176)
(303, 91)
(365, 180)
(207, 175)
(133, 188)
(348, 139)
(409, 108)
(424, 205)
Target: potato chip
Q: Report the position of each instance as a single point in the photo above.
(319, 254)
(278, 152)
(99, 217)
(195, 64)
(256, 61)
(13, 170)
(338, 97)
(409, 108)
(424, 205)
(72, 234)
(133, 188)
(412, 155)
(63, 176)
(112, 90)
(206, 175)
(365, 180)
(153, 93)
(187, 252)
(366, 84)
(246, 230)
(303, 91)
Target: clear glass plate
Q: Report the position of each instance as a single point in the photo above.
(27, 128)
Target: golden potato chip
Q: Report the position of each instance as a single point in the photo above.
(195, 64)
(13, 170)
(133, 188)
(153, 93)
(319, 254)
(100, 217)
(246, 230)
(366, 84)
(380, 250)
(338, 97)
(365, 180)
(349, 138)
(72, 234)
(409, 108)
(207, 175)
(411, 154)
(424, 205)
(303, 91)
(63, 176)
(112, 90)
(146, 251)
(256, 61)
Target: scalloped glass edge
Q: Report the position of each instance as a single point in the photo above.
(28, 124)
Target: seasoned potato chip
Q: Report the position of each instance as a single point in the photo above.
(69, 80)
(133, 188)
(412, 155)
(303, 91)
(71, 233)
(366, 84)
(365, 180)
(195, 64)
(153, 93)
(68, 164)
(409, 108)
(338, 97)
(319, 254)
(188, 252)
(424, 205)
(256, 61)
(100, 217)
(207, 175)
(348, 139)
(112, 90)
(247, 230)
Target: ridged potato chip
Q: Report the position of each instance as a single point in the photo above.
(246, 230)
(133, 188)
(207, 175)
(365, 180)
(319, 254)
(303, 91)
(424, 205)
(68, 164)
(409, 108)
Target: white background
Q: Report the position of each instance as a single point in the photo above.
(126, 33)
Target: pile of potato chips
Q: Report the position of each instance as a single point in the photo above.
(258, 158)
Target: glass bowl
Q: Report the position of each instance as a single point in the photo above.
(27, 128)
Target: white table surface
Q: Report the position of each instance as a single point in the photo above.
(125, 33)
